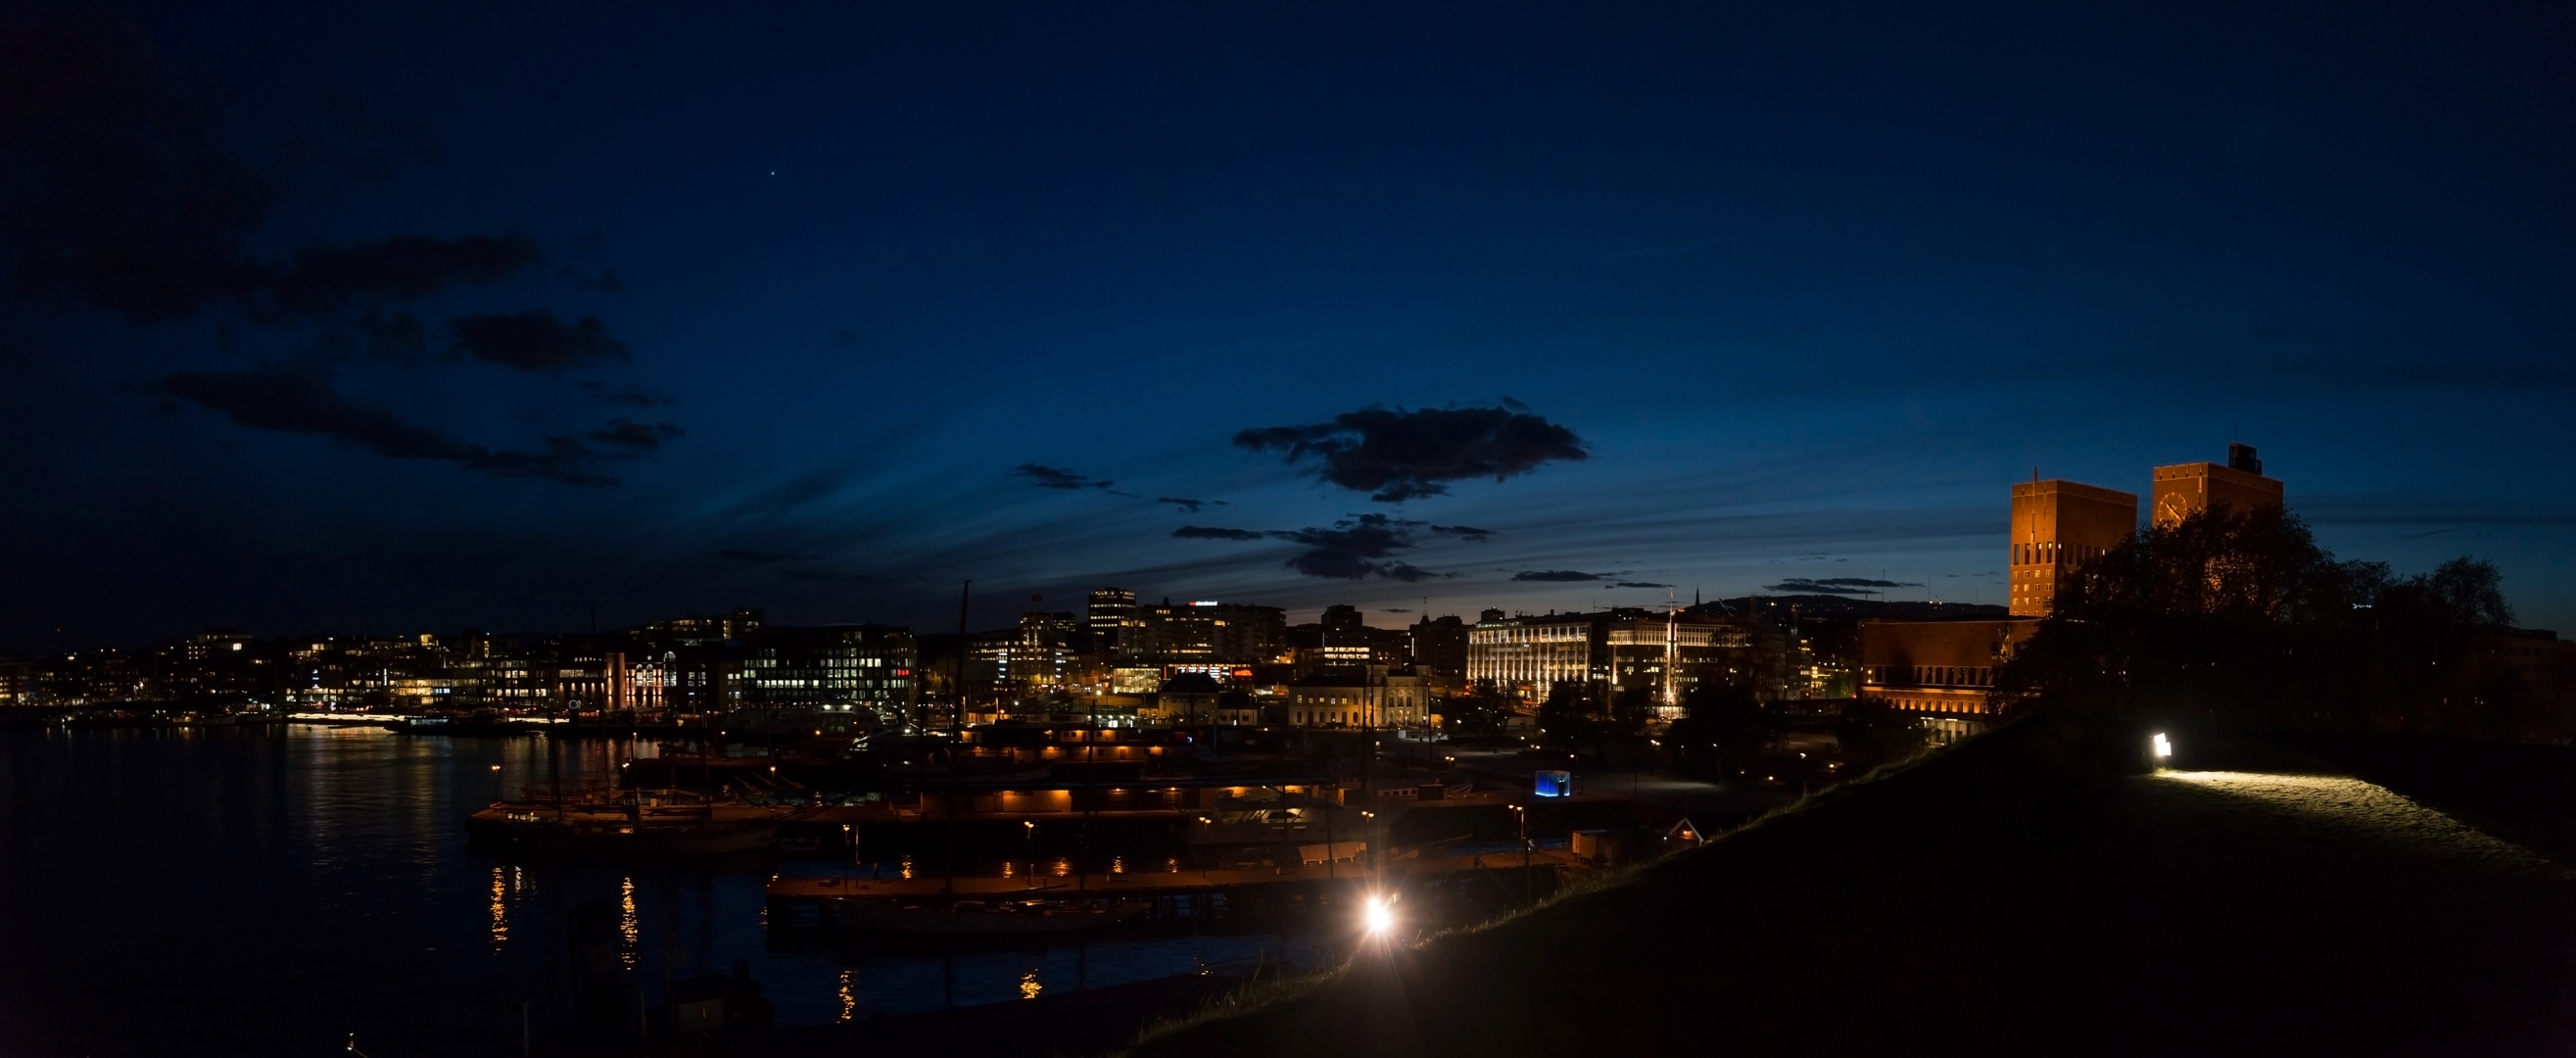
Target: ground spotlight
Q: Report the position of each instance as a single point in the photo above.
(1379, 919)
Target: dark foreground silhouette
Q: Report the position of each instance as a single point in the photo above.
(2029, 892)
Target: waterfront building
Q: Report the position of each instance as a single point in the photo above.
(835, 668)
(2057, 526)
(17, 682)
(2184, 488)
(706, 629)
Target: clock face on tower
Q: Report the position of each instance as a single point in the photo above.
(2171, 507)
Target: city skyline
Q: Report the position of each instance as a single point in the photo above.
(828, 314)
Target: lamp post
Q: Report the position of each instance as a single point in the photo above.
(1520, 821)
(1030, 832)
(1369, 829)
(500, 789)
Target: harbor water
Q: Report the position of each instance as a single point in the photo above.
(272, 891)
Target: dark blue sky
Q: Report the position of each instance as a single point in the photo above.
(1812, 284)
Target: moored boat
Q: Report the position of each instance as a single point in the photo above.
(631, 825)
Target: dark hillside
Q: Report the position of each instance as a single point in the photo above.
(2024, 893)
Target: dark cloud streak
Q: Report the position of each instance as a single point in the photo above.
(1049, 477)
(1204, 532)
(1396, 455)
(535, 341)
(303, 400)
(1836, 586)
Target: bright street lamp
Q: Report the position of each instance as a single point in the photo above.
(1379, 919)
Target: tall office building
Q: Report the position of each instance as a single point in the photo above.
(1104, 625)
(1207, 632)
(2057, 526)
(2184, 488)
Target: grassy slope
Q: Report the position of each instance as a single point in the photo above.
(1912, 912)
(2024, 893)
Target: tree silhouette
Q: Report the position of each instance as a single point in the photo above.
(2239, 617)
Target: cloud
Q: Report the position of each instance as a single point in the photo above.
(1557, 575)
(534, 340)
(753, 554)
(1638, 584)
(1396, 455)
(1835, 586)
(627, 396)
(1395, 609)
(399, 337)
(605, 282)
(1203, 532)
(121, 193)
(117, 191)
(1464, 532)
(1188, 506)
(635, 437)
(303, 400)
(1049, 477)
(324, 280)
(1356, 548)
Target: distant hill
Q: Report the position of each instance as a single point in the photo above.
(1843, 606)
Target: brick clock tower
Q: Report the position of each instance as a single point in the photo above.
(2184, 488)
(2056, 526)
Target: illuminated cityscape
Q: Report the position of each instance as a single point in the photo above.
(1377, 531)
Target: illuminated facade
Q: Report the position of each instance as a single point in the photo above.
(1363, 696)
(1106, 623)
(1667, 653)
(2057, 526)
(1208, 632)
(839, 668)
(1530, 654)
(1943, 671)
(1627, 648)
(2184, 488)
(17, 682)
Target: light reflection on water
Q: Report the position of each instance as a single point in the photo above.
(330, 866)
(500, 908)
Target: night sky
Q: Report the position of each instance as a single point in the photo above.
(442, 315)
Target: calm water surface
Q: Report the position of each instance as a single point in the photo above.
(268, 893)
